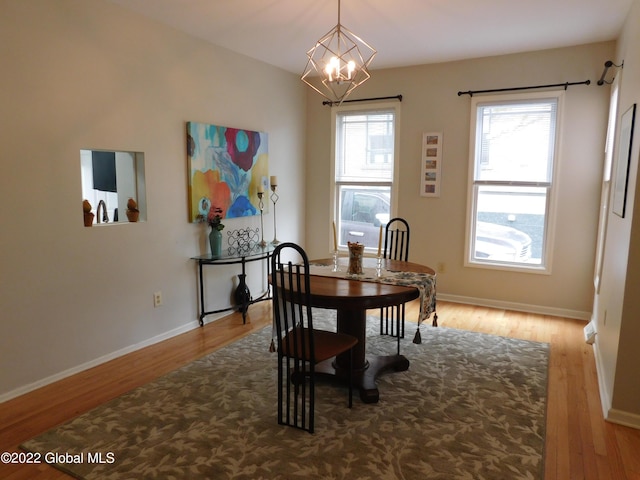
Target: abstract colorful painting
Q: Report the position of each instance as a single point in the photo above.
(227, 167)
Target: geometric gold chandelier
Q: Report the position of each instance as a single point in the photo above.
(338, 63)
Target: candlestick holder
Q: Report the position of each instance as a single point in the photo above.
(336, 268)
(274, 199)
(378, 266)
(261, 206)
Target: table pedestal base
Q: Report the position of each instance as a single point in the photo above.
(364, 379)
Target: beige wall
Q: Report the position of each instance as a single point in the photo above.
(617, 312)
(430, 103)
(89, 74)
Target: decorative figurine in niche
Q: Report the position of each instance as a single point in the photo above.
(132, 210)
(88, 215)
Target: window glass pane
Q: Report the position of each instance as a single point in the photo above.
(613, 115)
(365, 146)
(510, 224)
(515, 142)
(361, 211)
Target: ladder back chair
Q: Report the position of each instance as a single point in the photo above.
(299, 345)
(396, 247)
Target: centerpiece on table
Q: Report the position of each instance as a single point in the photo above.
(356, 251)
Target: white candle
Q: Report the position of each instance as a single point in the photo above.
(274, 181)
(335, 238)
(260, 188)
(380, 241)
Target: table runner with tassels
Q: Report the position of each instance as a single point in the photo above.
(424, 282)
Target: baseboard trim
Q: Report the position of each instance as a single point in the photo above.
(605, 400)
(519, 307)
(98, 361)
(623, 418)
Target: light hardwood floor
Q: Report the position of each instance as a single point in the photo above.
(579, 443)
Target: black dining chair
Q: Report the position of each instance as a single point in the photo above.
(396, 247)
(300, 346)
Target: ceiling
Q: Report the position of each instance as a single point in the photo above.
(404, 32)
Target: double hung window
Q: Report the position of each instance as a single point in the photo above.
(365, 141)
(513, 156)
(606, 183)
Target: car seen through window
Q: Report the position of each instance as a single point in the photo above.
(364, 209)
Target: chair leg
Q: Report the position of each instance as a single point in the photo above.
(399, 319)
(312, 401)
(280, 396)
(399, 333)
(384, 321)
(302, 409)
(351, 377)
(399, 336)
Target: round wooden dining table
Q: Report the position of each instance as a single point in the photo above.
(351, 298)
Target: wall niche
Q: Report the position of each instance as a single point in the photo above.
(111, 179)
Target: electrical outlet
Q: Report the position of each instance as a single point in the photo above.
(590, 333)
(157, 299)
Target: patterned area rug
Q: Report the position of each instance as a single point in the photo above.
(471, 406)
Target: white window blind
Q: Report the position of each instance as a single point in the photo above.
(365, 147)
(516, 142)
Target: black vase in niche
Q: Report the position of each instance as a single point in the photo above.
(242, 294)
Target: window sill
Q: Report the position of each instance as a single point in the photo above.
(509, 267)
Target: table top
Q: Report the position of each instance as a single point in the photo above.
(347, 294)
(387, 264)
(234, 253)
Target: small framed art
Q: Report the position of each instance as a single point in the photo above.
(431, 168)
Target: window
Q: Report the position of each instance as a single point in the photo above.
(606, 183)
(365, 164)
(513, 150)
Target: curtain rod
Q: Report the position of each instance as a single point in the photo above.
(513, 89)
(397, 97)
(607, 65)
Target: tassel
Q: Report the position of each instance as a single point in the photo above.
(417, 338)
(272, 347)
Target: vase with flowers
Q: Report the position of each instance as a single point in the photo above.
(214, 219)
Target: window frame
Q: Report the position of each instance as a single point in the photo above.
(607, 173)
(334, 203)
(545, 266)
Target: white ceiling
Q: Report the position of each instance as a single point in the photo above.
(404, 32)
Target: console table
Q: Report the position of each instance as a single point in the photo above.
(232, 256)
